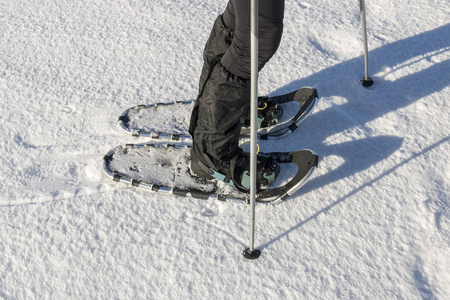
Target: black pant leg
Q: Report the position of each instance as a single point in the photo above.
(237, 17)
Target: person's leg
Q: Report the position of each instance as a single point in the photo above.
(223, 101)
(217, 44)
(216, 104)
(237, 58)
(270, 29)
(224, 95)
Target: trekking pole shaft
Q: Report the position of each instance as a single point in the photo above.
(366, 80)
(253, 117)
(251, 252)
(364, 32)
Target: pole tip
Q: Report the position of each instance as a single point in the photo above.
(366, 82)
(251, 254)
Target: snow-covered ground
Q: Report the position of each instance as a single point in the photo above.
(372, 223)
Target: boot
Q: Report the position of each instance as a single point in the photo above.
(234, 170)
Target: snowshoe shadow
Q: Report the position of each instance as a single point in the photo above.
(359, 106)
(353, 157)
(355, 106)
(353, 192)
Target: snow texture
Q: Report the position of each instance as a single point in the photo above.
(372, 223)
(171, 118)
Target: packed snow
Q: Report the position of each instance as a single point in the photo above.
(372, 223)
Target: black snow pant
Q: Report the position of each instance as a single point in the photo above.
(224, 88)
(237, 18)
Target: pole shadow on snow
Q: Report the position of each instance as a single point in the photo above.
(355, 191)
(363, 105)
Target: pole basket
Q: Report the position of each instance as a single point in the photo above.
(248, 254)
(366, 82)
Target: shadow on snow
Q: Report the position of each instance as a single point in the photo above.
(362, 105)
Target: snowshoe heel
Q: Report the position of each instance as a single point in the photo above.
(271, 115)
(199, 169)
(204, 173)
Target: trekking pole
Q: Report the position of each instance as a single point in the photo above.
(251, 252)
(366, 81)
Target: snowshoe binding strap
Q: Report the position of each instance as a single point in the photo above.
(268, 113)
(237, 173)
(266, 172)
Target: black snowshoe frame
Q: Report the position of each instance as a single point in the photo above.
(306, 97)
(306, 161)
